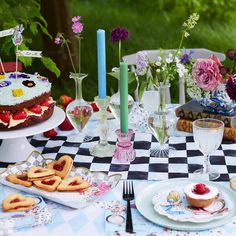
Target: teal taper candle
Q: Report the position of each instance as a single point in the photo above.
(124, 97)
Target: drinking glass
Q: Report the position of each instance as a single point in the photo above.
(208, 135)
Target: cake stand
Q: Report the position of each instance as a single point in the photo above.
(15, 146)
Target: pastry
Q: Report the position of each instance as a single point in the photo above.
(39, 173)
(200, 195)
(17, 202)
(24, 101)
(74, 183)
(49, 185)
(21, 179)
(62, 166)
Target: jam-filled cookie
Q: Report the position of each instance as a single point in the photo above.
(49, 185)
(21, 179)
(17, 202)
(39, 173)
(62, 166)
(74, 183)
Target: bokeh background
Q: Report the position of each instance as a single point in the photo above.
(152, 24)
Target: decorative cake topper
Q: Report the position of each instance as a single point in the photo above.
(17, 35)
(29, 53)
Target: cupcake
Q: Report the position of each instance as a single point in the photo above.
(200, 195)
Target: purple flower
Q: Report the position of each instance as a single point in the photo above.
(141, 63)
(57, 40)
(231, 88)
(119, 34)
(77, 27)
(75, 19)
(231, 54)
(185, 58)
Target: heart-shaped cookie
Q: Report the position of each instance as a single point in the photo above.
(39, 173)
(62, 166)
(74, 183)
(49, 185)
(17, 202)
(21, 179)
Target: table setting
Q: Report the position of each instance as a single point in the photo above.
(116, 166)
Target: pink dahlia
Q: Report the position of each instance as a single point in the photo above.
(206, 73)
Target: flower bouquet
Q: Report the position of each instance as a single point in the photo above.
(213, 85)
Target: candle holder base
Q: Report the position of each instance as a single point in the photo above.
(124, 151)
(101, 150)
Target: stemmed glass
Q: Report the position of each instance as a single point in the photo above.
(208, 135)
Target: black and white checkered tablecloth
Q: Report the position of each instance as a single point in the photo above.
(181, 163)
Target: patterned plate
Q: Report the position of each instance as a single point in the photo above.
(101, 183)
(173, 204)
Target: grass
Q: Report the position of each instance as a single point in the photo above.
(149, 29)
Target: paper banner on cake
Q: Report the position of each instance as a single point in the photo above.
(17, 35)
(28, 53)
(7, 32)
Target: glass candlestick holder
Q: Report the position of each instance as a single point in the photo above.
(103, 148)
(124, 151)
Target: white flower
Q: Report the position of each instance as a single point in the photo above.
(186, 34)
(182, 71)
(158, 70)
(158, 63)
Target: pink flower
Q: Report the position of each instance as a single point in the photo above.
(103, 187)
(57, 40)
(77, 27)
(216, 59)
(206, 73)
(75, 19)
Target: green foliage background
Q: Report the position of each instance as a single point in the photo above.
(153, 24)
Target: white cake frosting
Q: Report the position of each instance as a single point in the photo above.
(42, 85)
(188, 190)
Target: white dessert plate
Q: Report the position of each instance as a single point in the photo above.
(101, 183)
(146, 208)
(171, 202)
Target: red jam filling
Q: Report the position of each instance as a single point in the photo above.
(59, 167)
(48, 182)
(38, 171)
(74, 183)
(24, 178)
(200, 189)
(15, 200)
(19, 207)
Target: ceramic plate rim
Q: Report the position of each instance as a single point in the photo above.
(144, 208)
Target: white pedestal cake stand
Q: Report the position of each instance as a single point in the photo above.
(15, 146)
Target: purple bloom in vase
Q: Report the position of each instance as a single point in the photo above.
(77, 27)
(75, 19)
(141, 63)
(231, 54)
(57, 40)
(231, 88)
(185, 58)
(119, 34)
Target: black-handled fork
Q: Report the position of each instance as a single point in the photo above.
(128, 195)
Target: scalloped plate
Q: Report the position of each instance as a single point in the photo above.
(101, 183)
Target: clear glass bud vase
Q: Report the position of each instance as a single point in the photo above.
(160, 123)
(79, 111)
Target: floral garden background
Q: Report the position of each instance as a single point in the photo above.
(152, 24)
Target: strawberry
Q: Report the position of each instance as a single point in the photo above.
(108, 109)
(19, 115)
(37, 109)
(201, 189)
(94, 106)
(45, 104)
(5, 117)
(66, 125)
(50, 133)
(64, 100)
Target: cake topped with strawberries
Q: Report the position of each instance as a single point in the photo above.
(24, 100)
(200, 195)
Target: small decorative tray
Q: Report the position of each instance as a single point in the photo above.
(101, 183)
(178, 209)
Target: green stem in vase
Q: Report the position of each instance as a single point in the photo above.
(119, 52)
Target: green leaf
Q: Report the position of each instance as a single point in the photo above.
(33, 28)
(142, 87)
(116, 75)
(51, 65)
(44, 30)
(27, 61)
